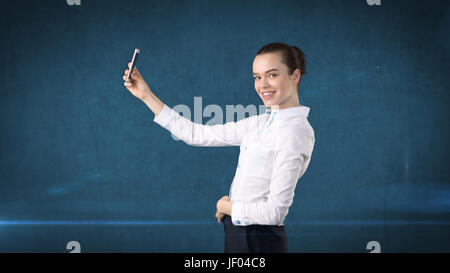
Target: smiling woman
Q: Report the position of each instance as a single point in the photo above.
(275, 149)
(279, 84)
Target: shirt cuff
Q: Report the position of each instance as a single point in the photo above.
(236, 213)
(164, 116)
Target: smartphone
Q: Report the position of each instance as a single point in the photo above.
(133, 62)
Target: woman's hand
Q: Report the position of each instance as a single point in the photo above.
(136, 84)
(223, 208)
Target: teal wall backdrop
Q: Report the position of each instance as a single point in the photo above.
(82, 160)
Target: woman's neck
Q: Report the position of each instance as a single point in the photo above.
(294, 102)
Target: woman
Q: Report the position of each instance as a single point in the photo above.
(275, 149)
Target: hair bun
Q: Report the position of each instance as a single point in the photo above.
(300, 56)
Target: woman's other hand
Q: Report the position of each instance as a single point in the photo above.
(223, 208)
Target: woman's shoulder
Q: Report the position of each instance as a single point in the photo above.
(298, 135)
(298, 127)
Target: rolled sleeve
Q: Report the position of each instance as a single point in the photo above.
(236, 213)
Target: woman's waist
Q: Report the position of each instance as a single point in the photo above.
(227, 221)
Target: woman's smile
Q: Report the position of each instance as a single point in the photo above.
(268, 94)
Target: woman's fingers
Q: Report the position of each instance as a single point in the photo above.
(219, 216)
(129, 66)
(125, 73)
(226, 198)
(134, 73)
(133, 77)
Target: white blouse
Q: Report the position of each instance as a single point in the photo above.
(275, 151)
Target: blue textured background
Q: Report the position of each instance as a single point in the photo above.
(76, 146)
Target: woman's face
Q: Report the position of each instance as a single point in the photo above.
(273, 83)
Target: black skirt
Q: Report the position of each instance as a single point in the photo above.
(254, 238)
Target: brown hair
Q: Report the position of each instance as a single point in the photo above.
(291, 56)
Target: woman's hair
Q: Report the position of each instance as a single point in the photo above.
(291, 56)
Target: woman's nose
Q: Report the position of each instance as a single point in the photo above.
(264, 83)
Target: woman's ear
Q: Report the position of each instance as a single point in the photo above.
(296, 75)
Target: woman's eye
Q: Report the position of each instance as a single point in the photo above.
(274, 75)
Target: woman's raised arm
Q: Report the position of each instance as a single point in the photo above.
(228, 134)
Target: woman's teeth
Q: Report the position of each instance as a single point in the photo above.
(268, 95)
